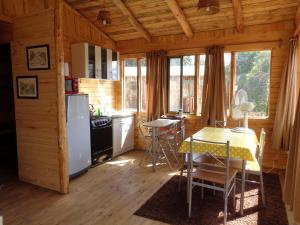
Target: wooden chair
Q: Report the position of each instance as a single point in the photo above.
(168, 142)
(254, 167)
(220, 123)
(220, 173)
(147, 139)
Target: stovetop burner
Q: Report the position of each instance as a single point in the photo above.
(100, 121)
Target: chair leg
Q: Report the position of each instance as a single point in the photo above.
(225, 208)
(173, 150)
(262, 190)
(148, 152)
(190, 196)
(233, 195)
(214, 191)
(167, 159)
(180, 177)
(202, 191)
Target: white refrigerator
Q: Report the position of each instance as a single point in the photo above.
(78, 133)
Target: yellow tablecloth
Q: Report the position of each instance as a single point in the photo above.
(242, 145)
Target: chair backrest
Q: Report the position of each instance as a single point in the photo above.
(220, 123)
(146, 133)
(216, 165)
(261, 147)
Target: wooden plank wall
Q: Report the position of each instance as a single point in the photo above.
(101, 92)
(20, 8)
(258, 36)
(37, 119)
(78, 29)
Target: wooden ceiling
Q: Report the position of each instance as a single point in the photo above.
(133, 19)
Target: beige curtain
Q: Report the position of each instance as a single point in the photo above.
(214, 89)
(291, 193)
(286, 105)
(156, 84)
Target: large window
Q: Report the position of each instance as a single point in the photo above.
(143, 85)
(135, 84)
(200, 81)
(227, 64)
(252, 80)
(248, 80)
(181, 83)
(130, 84)
(174, 84)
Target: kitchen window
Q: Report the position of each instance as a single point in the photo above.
(130, 84)
(134, 84)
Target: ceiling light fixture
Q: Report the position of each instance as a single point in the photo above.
(104, 17)
(209, 7)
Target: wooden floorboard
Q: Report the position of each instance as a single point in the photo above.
(108, 194)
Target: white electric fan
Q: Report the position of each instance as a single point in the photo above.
(241, 110)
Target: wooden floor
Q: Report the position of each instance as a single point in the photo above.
(108, 195)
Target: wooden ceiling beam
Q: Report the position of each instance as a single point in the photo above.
(124, 9)
(5, 19)
(297, 21)
(238, 15)
(178, 13)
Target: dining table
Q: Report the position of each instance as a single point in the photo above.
(156, 125)
(242, 146)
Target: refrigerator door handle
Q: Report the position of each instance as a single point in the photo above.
(67, 109)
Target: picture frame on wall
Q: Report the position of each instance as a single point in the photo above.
(27, 87)
(38, 57)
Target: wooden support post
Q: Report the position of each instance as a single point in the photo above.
(61, 115)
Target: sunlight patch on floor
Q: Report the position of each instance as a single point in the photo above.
(122, 162)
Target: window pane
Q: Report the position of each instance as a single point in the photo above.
(200, 82)
(130, 84)
(252, 80)
(188, 80)
(143, 84)
(174, 84)
(227, 64)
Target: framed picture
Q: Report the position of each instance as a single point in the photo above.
(27, 87)
(38, 57)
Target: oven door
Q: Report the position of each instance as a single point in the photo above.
(101, 139)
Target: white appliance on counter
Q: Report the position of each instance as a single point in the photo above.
(78, 133)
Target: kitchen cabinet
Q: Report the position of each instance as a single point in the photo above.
(92, 61)
(123, 135)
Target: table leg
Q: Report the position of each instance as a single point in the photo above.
(188, 177)
(182, 133)
(154, 148)
(243, 187)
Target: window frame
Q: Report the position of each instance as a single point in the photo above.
(181, 82)
(139, 80)
(233, 79)
(232, 49)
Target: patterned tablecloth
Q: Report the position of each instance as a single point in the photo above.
(242, 145)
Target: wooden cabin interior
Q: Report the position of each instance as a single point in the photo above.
(108, 107)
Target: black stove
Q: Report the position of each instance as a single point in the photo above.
(101, 139)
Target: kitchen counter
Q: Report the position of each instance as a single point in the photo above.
(117, 115)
